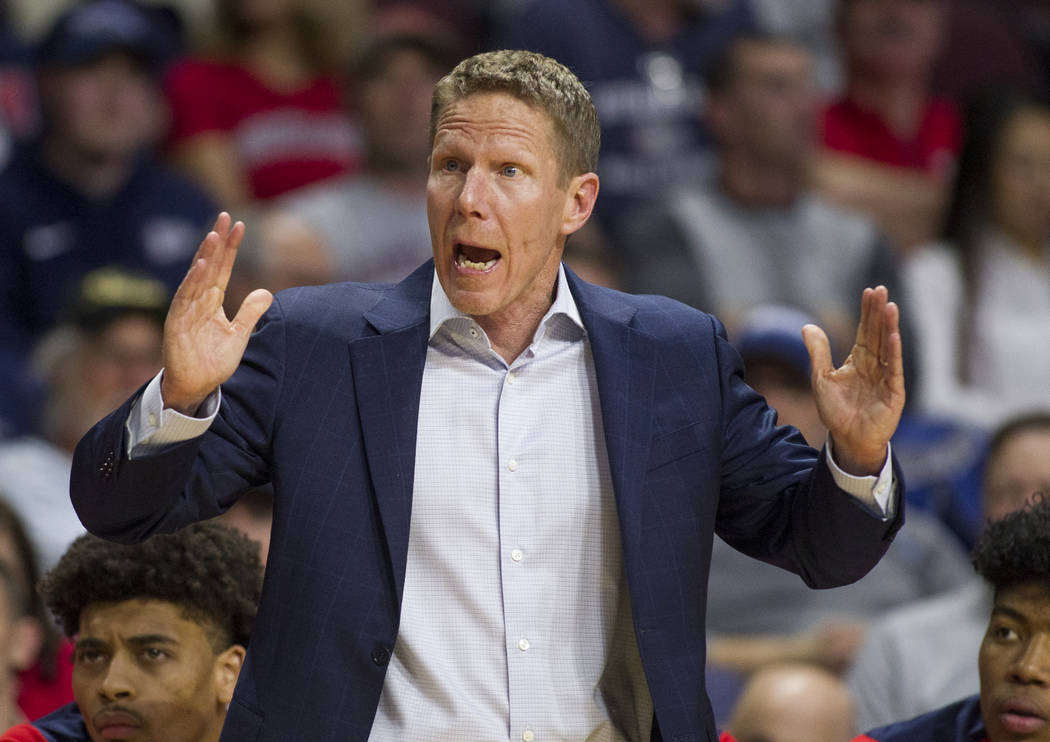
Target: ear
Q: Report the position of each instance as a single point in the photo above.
(579, 202)
(28, 637)
(227, 669)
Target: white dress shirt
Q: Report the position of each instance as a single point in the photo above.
(515, 620)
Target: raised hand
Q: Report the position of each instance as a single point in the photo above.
(202, 348)
(861, 402)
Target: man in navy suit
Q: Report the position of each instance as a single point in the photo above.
(495, 492)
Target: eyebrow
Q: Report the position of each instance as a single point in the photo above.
(152, 639)
(89, 644)
(1009, 612)
(142, 640)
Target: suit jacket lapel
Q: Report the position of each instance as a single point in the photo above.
(388, 373)
(623, 364)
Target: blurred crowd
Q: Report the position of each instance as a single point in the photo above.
(763, 160)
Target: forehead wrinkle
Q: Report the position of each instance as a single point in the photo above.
(484, 129)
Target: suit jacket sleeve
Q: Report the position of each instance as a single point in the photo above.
(766, 509)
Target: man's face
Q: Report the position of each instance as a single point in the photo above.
(123, 357)
(105, 109)
(1014, 665)
(895, 38)
(1021, 177)
(394, 107)
(498, 210)
(143, 672)
(771, 107)
(1019, 470)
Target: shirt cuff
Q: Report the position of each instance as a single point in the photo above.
(877, 492)
(151, 427)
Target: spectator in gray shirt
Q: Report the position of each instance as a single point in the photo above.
(758, 233)
(374, 223)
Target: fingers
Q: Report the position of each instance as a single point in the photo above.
(224, 262)
(892, 355)
(213, 262)
(252, 308)
(819, 348)
(879, 319)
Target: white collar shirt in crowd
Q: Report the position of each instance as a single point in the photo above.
(515, 622)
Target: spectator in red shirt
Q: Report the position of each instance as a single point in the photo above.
(264, 115)
(890, 146)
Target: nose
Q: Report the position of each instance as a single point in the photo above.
(116, 683)
(1032, 665)
(473, 193)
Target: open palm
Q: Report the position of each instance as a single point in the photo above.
(861, 401)
(202, 348)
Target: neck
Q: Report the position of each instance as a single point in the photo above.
(900, 102)
(511, 330)
(752, 182)
(1032, 247)
(10, 713)
(96, 176)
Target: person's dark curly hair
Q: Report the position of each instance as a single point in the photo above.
(210, 571)
(1016, 548)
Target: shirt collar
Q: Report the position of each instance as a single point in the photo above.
(441, 309)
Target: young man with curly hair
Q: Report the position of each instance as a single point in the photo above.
(1013, 555)
(160, 629)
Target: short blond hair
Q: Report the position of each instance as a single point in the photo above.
(539, 81)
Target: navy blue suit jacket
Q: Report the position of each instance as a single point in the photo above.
(325, 405)
(957, 722)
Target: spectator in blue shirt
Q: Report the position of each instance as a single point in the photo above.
(87, 193)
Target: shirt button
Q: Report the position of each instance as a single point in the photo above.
(473, 332)
(523, 644)
(512, 464)
(516, 555)
(881, 488)
(528, 736)
(152, 419)
(510, 378)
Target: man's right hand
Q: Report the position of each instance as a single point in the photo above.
(202, 348)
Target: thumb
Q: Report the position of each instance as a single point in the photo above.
(819, 350)
(252, 308)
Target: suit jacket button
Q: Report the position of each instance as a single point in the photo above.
(380, 655)
(105, 469)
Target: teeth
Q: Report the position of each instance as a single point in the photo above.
(463, 261)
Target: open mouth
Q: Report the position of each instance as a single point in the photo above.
(475, 259)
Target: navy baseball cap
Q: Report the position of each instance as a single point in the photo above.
(89, 31)
(774, 331)
(111, 292)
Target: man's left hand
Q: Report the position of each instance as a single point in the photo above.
(861, 402)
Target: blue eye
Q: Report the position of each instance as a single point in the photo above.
(510, 171)
(450, 166)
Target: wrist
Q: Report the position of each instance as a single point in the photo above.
(859, 461)
(172, 399)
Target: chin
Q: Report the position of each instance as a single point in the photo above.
(475, 306)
